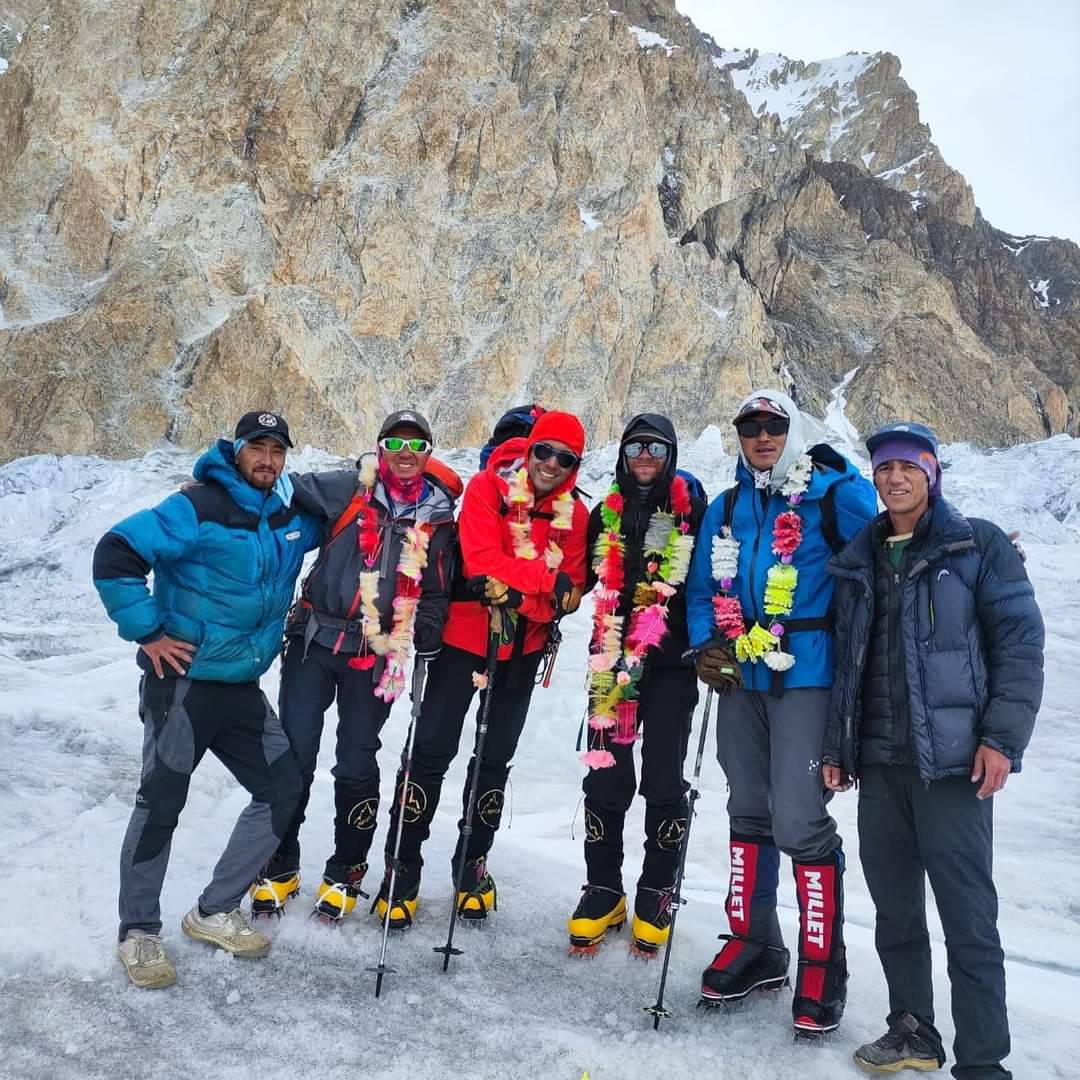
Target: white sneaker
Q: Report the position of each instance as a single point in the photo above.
(228, 930)
(145, 961)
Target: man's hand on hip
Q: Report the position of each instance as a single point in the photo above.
(174, 653)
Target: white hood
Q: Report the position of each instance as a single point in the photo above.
(795, 446)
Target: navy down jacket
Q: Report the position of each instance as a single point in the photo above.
(972, 643)
(225, 558)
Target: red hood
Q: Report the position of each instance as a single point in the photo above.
(511, 455)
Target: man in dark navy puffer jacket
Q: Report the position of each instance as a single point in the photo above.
(938, 679)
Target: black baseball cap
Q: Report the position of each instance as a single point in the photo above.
(410, 417)
(257, 425)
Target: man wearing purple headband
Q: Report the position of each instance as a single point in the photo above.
(938, 677)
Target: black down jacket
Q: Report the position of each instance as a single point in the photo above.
(638, 510)
(972, 639)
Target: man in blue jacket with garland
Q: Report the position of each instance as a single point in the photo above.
(938, 679)
(225, 553)
(759, 613)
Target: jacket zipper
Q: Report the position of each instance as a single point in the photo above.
(914, 573)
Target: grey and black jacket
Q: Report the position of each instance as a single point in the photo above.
(328, 611)
(971, 643)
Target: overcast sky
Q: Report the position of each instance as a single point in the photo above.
(998, 83)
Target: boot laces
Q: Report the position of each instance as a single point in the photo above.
(148, 949)
(900, 1035)
(237, 923)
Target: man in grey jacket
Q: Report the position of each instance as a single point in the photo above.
(938, 679)
(379, 589)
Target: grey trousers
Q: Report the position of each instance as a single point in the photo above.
(909, 831)
(770, 751)
(182, 719)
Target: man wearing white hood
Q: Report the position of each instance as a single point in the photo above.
(758, 608)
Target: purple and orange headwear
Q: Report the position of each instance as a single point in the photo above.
(908, 441)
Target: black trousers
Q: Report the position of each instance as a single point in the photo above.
(447, 697)
(666, 712)
(182, 719)
(308, 687)
(909, 831)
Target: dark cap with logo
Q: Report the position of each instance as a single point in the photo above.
(409, 417)
(761, 405)
(259, 425)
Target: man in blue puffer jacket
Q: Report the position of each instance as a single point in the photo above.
(801, 504)
(225, 553)
(939, 676)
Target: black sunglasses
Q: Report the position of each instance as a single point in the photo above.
(541, 451)
(750, 429)
(655, 449)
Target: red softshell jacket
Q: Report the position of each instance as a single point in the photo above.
(487, 548)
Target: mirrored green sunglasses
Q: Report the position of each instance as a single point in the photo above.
(394, 443)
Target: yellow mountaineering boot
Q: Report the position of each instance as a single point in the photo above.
(269, 895)
(652, 921)
(402, 910)
(337, 892)
(479, 895)
(600, 909)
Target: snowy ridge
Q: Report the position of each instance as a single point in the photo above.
(1015, 245)
(791, 89)
(784, 86)
(646, 39)
(513, 1005)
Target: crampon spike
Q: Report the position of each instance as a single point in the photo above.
(584, 950)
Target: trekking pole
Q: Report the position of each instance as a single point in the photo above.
(658, 1011)
(419, 673)
(448, 949)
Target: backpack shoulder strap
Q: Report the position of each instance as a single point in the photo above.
(829, 529)
(730, 496)
(348, 515)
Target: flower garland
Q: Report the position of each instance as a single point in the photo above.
(782, 578)
(395, 645)
(519, 501)
(616, 664)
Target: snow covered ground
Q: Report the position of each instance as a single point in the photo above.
(514, 1004)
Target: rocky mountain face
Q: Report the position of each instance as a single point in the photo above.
(335, 210)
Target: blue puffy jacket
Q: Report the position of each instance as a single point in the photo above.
(225, 558)
(972, 639)
(754, 512)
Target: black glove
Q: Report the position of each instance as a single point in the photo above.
(496, 593)
(427, 640)
(567, 595)
(716, 667)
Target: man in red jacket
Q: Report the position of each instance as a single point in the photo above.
(522, 535)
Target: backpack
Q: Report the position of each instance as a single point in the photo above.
(823, 457)
(693, 484)
(516, 423)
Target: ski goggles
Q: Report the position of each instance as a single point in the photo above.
(395, 444)
(751, 429)
(566, 460)
(655, 449)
